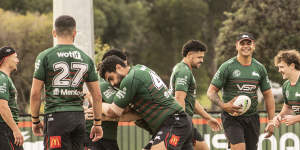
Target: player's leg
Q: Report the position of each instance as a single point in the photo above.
(174, 134)
(78, 132)
(234, 131)
(105, 144)
(198, 141)
(200, 145)
(239, 146)
(57, 131)
(252, 132)
(7, 138)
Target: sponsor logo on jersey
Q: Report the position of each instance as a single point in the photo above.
(37, 65)
(255, 74)
(174, 140)
(121, 93)
(109, 92)
(181, 81)
(236, 73)
(58, 91)
(217, 75)
(296, 109)
(297, 94)
(72, 54)
(246, 87)
(287, 94)
(55, 141)
(3, 88)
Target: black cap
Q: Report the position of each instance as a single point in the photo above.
(6, 51)
(245, 35)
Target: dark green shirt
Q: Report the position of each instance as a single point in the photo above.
(235, 79)
(291, 95)
(64, 69)
(182, 79)
(146, 93)
(9, 93)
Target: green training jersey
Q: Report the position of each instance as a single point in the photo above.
(146, 94)
(64, 69)
(182, 79)
(9, 93)
(291, 95)
(110, 128)
(236, 79)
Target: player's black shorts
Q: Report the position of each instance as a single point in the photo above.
(242, 129)
(105, 144)
(64, 130)
(176, 132)
(197, 136)
(7, 139)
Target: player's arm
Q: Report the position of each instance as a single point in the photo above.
(35, 98)
(212, 122)
(269, 103)
(112, 110)
(7, 116)
(180, 98)
(97, 100)
(270, 106)
(126, 117)
(213, 96)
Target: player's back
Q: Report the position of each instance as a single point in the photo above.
(151, 99)
(64, 69)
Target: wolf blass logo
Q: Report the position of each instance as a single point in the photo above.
(58, 91)
(72, 54)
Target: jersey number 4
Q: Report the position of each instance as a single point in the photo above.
(158, 83)
(63, 78)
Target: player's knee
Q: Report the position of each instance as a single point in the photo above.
(159, 146)
(239, 146)
(200, 145)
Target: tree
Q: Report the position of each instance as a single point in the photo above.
(274, 23)
(29, 34)
(23, 6)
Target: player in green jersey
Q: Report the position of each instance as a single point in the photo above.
(242, 75)
(288, 63)
(183, 87)
(10, 134)
(63, 69)
(144, 91)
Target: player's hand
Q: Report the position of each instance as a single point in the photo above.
(96, 133)
(269, 129)
(289, 119)
(19, 140)
(38, 129)
(230, 108)
(277, 120)
(89, 114)
(214, 124)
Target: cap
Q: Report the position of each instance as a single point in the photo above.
(6, 51)
(245, 35)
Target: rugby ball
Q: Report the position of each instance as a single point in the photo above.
(243, 101)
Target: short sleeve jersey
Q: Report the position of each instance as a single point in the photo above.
(291, 95)
(9, 93)
(64, 69)
(110, 128)
(236, 79)
(182, 79)
(146, 94)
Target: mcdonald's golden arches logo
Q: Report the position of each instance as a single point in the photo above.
(55, 142)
